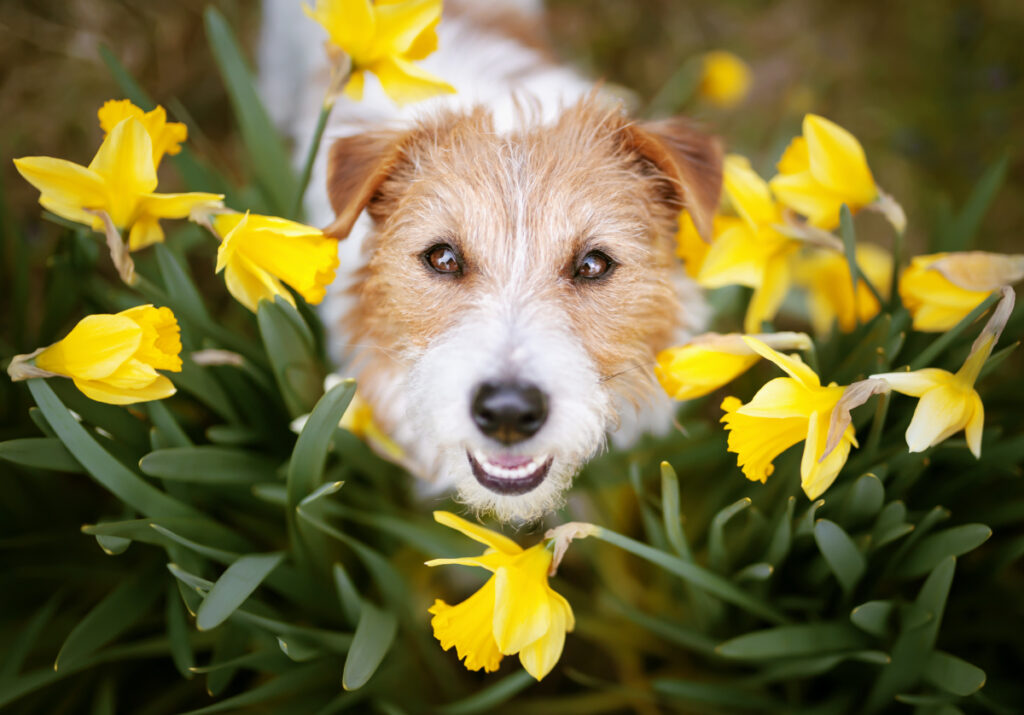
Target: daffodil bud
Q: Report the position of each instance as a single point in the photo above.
(112, 358)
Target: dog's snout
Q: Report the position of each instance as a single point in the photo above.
(510, 412)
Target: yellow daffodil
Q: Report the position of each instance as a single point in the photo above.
(710, 361)
(358, 419)
(515, 611)
(258, 252)
(385, 38)
(831, 298)
(167, 137)
(948, 402)
(785, 411)
(725, 79)
(822, 170)
(119, 182)
(750, 251)
(112, 358)
(941, 289)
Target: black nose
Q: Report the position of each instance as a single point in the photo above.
(509, 411)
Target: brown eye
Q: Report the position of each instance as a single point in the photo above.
(594, 265)
(442, 258)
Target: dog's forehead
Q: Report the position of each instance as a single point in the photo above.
(543, 190)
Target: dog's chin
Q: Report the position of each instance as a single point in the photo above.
(514, 489)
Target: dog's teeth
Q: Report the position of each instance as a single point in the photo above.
(504, 472)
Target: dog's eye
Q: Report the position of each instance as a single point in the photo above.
(442, 258)
(594, 265)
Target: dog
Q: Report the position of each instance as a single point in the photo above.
(508, 271)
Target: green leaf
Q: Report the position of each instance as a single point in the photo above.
(305, 471)
(235, 585)
(842, 555)
(944, 341)
(289, 346)
(39, 453)
(177, 634)
(371, 642)
(184, 295)
(670, 512)
(782, 537)
(104, 468)
(862, 501)
(760, 571)
(805, 527)
(931, 550)
(793, 641)
(849, 236)
(201, 384)
(913, 647)
(116, 613)
(960, 235)
(718, 557)
(264, 147)
(954, 675)
(873, 617)
(209, 465)
(113, 545)
(487, 699)
(348, 596)
(168, 427)
(725, 695)
(694, 574)
(17, 650)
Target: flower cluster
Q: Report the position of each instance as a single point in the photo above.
(775, 234)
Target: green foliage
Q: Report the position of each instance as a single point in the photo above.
(227, 564)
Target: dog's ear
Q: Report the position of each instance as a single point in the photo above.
(691, 161)
(356, 167)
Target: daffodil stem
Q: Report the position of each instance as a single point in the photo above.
(849, 236)
(897, 256)
(693, 574)
(307, 164)
(926, 356)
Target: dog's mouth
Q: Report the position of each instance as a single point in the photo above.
(508, 474)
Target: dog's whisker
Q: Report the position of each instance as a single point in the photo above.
(638, 366)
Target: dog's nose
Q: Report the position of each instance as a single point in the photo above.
(509, 412)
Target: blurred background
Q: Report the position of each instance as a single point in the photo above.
(934, 89)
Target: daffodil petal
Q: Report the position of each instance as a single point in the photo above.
(491, 561)
(940, 413)
(522, 609)
(249, 284)
(145, 232)
(768, 296)
(975, 425)
(802, 193)
(161, 336)
(817, 476)
(794, 159)
(915, 383)
(125, 160)
(780, 397)
(351, 25)
(400, 24)
(64, 184)
(690, 371)
(405, 82)
(100, 391)
(748, 193)
(539, 657)
(735, 258)
(757, 441)
(838, 162)
(176, 205)
(478, 533)
(791, 364)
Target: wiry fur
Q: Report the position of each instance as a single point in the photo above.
(523, 196)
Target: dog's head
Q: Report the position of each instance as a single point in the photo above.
(517, 287)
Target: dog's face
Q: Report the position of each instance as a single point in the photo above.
(517, 289)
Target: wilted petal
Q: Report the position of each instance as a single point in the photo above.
(935, 303)
(978, 270)
(915, 383)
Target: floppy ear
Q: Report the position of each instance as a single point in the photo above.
(356, 167)
(690, 159)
